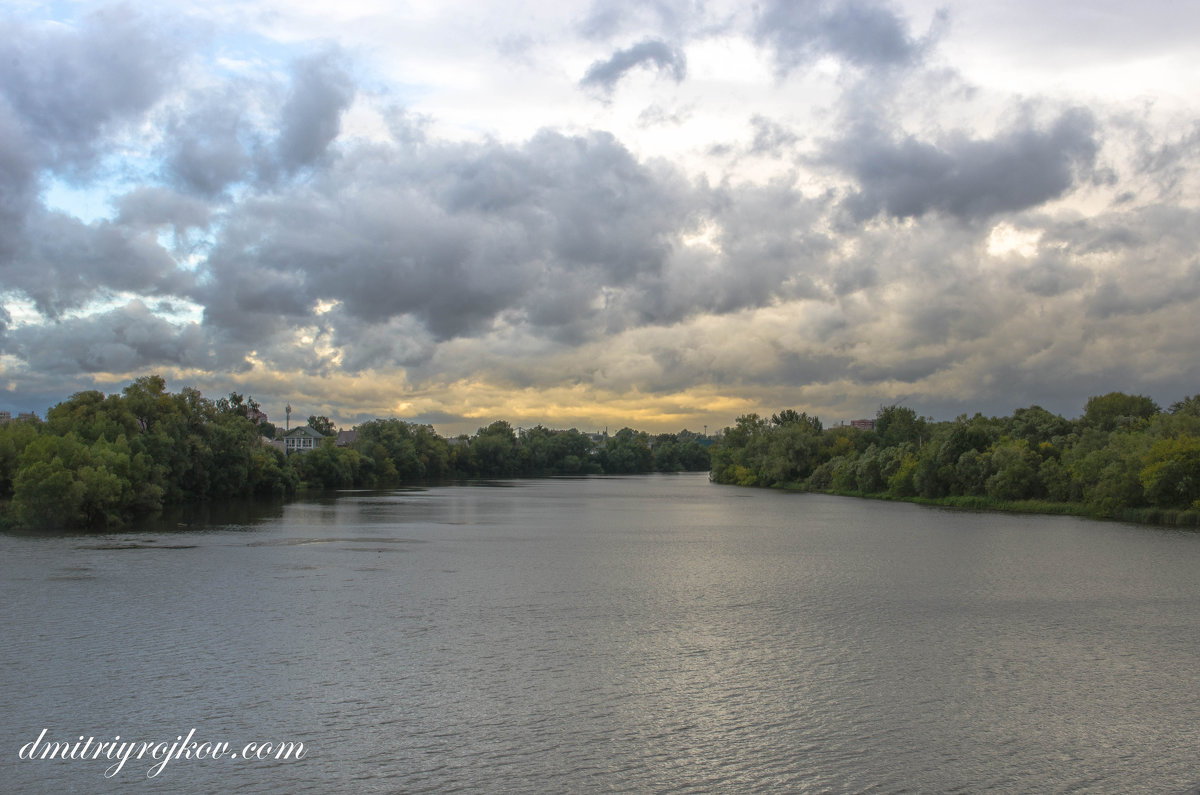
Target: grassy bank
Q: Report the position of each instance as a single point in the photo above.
(1150, 516)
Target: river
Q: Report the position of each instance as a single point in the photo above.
(648, 634)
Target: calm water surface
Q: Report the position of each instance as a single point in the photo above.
(647, 634)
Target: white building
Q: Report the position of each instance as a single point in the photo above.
(301, 439)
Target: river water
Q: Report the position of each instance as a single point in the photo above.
(648, 634)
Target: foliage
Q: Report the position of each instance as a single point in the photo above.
(1122, 458)
(1106, 412)
(322, 425)
(99, 460)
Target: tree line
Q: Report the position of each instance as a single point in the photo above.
(388, 452)
(100, 460)
(1124, 457)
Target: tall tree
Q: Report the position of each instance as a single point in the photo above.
(322, 425)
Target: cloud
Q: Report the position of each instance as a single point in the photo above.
(968, 178)
(18, 182)
(122, 340)
(311, 117)
(63, 263)
(1168, 163)
(64, 92)
(149, 206)
(656, 115)
(450, 235)
(863, 33)
(217, 139)
(771, 138)
(606, 18)
(605, 75)
(210, 143)
(66, 86)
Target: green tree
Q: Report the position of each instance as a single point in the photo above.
(14, 438)
(692, 456)
(902, 483)
(627, 452)
(739, 456)
(329, 467)
(1035, 425)
(1015, 472)
(493, 451)
(389, 452)
(793, 451)
(899, 424)
(90, 415)
(1106, 469)
(1189, 406)
(98, 485)
(322, 425)
(1170, 475)
(1107, 412)
(793, 417)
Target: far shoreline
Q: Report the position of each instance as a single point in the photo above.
(1150, 517)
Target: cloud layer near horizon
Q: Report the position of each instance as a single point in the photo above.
(662, 215)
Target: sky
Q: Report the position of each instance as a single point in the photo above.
(660, 214)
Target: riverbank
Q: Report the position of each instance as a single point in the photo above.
(1151, 516)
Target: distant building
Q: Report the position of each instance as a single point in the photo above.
(863, 425)
(301, 439)
(598, 439)
(24, 416)
(346, 438)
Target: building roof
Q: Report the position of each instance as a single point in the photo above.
(304, 430)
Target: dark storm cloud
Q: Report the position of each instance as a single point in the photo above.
(1049, 276)
(212, 142)
(153, 207)
(120, 340)
(18, 183)
(766, 246)
(854, 277)
(1117, 296)
(65, 86)
(968, 178)
(311, 117)
(398, 342)
(907, 370)
(792, 368)
(452, 235)
(605, 75)
(862, 32)
(63, 263)
(209, 144)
